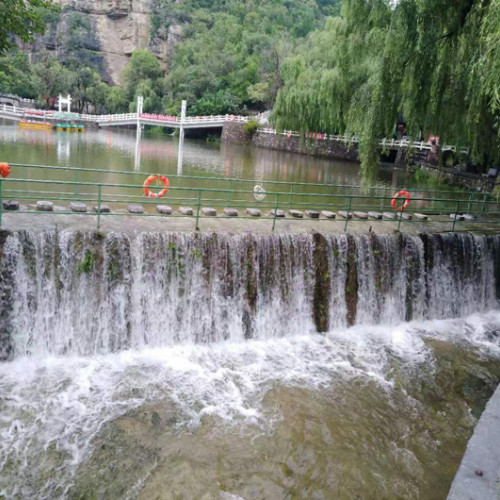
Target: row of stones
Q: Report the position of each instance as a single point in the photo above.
(48, 206)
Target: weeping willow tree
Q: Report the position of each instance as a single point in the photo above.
(437, 62)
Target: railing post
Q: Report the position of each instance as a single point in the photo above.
(198, 210)
(456, 215)
(275, 210)
(469, 204)
(75, 189)
(401, 216)
(1, 202)
(99, 206)
(347, 212)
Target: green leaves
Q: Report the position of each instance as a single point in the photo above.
(436, 63)
(22, 18)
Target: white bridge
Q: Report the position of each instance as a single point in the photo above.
(17, 113)
(196, 122)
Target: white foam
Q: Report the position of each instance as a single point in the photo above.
(63, 402)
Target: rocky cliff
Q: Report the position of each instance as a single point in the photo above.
(106, 31)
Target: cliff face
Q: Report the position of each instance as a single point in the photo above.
(107, 31)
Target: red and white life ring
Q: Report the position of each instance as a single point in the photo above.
(163, 179)
(401, 194)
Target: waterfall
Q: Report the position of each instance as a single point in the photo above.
(86, 293)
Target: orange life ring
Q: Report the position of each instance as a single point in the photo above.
(163, 179)
(401, 194)
(4, 169)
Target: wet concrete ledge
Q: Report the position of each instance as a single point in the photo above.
(478, 477)
(121, 221)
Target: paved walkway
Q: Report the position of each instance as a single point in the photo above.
(478, 477)
(121, 221)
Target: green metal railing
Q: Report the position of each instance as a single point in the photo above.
(284, 197)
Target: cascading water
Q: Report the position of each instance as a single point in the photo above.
(84, 293)
(97, 330)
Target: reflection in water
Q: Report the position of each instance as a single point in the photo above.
(128, 150)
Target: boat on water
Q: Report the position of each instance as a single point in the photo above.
(69, 127)
(35, 125)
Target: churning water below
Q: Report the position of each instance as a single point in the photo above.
(195, 369)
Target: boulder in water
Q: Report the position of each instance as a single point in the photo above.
(278, 212)
(185, 210)
(375, 215)
(254, 212)
(77, 206)
(104, 209)
(312, 214)
(344, 214)
(136, 209)
(231, 212)
(164, 209)
(389, 215)
(44, 206)
(10, 205)
(209, 212)
(361, 215)
(328, 214)
(420, 216)
(296, 213)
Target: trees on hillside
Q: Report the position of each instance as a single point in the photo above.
(436, 63)
(22, 18)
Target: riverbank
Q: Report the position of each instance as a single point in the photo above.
(404, 157)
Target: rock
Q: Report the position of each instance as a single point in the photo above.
(343, 214)
(389, 215)
(164, 209)
(404, 216)
(420, 216)
(104, 209)
(361, 215)
(231, 212)
(279, 213)
(185, 210)
(209, 212)
(10, 205)
(76, 206)
(296, 213)
(254, 212)
(328, 214)
(469, 217)
(136, 209)
(375, 215)
(312, 214)
(459, 217)
(45, 206)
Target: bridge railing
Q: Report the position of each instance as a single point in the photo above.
(98, 174)
(119, 195)
(353, 139)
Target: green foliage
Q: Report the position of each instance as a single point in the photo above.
(87, 264)
(232, 51)
(436, 64)
(22, 18)
(251, 127)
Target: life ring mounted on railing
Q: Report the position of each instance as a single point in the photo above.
(404, 195)
(163, 179)
(4, 169)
